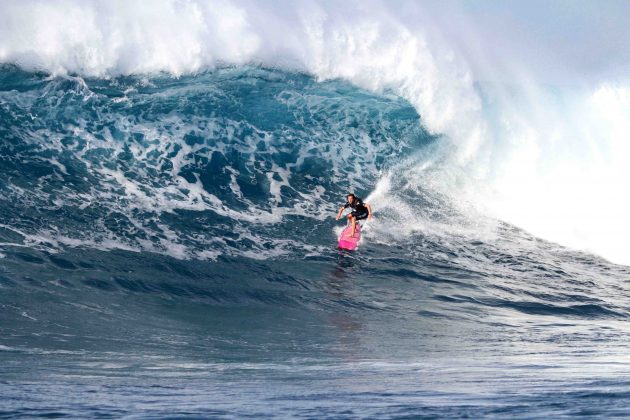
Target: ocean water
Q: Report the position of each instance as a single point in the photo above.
(167, 232)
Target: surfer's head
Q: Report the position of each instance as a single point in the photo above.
(350, 197)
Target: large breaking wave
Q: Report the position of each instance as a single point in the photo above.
(169, 175)
(521, 138)
(247, 160)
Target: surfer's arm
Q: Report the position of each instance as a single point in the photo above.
(340, 212)
(369, 210)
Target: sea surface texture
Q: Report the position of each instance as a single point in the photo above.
(168, 234)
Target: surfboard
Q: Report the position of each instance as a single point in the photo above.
(348, 242)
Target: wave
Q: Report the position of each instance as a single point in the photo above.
(249, 161)
(169, 175)
(522, 139)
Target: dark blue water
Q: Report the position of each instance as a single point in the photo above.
(168, 250)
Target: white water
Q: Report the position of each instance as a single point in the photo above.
(533, 100)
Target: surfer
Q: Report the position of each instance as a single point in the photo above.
(360, 210)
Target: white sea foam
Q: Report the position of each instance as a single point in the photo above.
(549, 159)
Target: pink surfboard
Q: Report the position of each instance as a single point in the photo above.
(347, 241)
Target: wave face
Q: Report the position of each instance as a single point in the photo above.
(169, 177)
(230, 162)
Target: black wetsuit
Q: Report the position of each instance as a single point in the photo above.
(359, 211)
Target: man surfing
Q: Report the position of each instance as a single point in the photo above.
(360, 211)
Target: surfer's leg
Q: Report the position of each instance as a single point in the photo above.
(353, 221)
